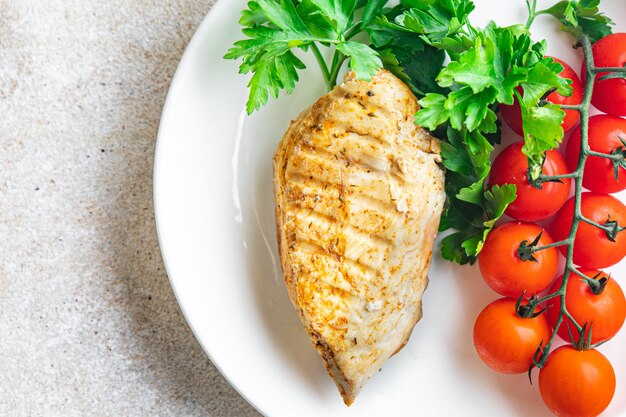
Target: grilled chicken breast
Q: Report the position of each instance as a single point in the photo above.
(359, 193)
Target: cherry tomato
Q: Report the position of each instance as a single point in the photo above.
(531, 204)
(604, 311)
(512, 114)
(505, 341)
(592, 246)
(503, 269)
(604, 136)
(609, 95)
(577, 383)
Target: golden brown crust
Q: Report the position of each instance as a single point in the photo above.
(359, 192)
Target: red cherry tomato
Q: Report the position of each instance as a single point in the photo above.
(577, 383)
(505, 272)
(592, 246)
(512, 114)
(505, 341)
(609, 95)
(604, 136)
(604, 312)
(531, 204)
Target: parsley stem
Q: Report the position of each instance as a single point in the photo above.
(322, 64)
(532, 7)
(338, 60)
(353, 31)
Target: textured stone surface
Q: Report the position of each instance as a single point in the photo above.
(88, 322)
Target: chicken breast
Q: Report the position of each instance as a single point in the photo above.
(359, 191)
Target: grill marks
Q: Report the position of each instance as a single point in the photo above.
(319, 187)
(349, 149)
(352, 199)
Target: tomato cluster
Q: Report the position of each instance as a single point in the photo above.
(520, 259)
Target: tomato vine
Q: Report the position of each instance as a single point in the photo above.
(611, 228)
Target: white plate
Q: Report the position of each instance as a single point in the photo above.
(214, 209)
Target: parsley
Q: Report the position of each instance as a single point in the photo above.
(437, 20)
(487, 67)
(471, 209)
(276, 28)
(577, 17)
(406, 54)
(362, 61)
(459, 102)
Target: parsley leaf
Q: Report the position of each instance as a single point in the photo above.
(542, 78)
(487, 64)
(406, 55)
(318, 24)
(338, 11)
(283, 14)
(542, 132)
(486, 69)
(485, 74)
(471, 210)
(363, 60)
(372, 9)
(436, 20)
(497, 199)
(542, 124)
(268, 55)
(433, 112)
(452, 249)
(581, 17)
(275, 28)
(476, 221)
(253, 16)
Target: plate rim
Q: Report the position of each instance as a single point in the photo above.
(214, 13)
(159, 176)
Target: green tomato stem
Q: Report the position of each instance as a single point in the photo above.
(548, 297)
(550, 245)
(614, 157)
(610, 69)
(552, 178)
(604, 227)
(577, 175)
(571, 107)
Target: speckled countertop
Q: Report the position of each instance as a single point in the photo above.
(88, 322)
